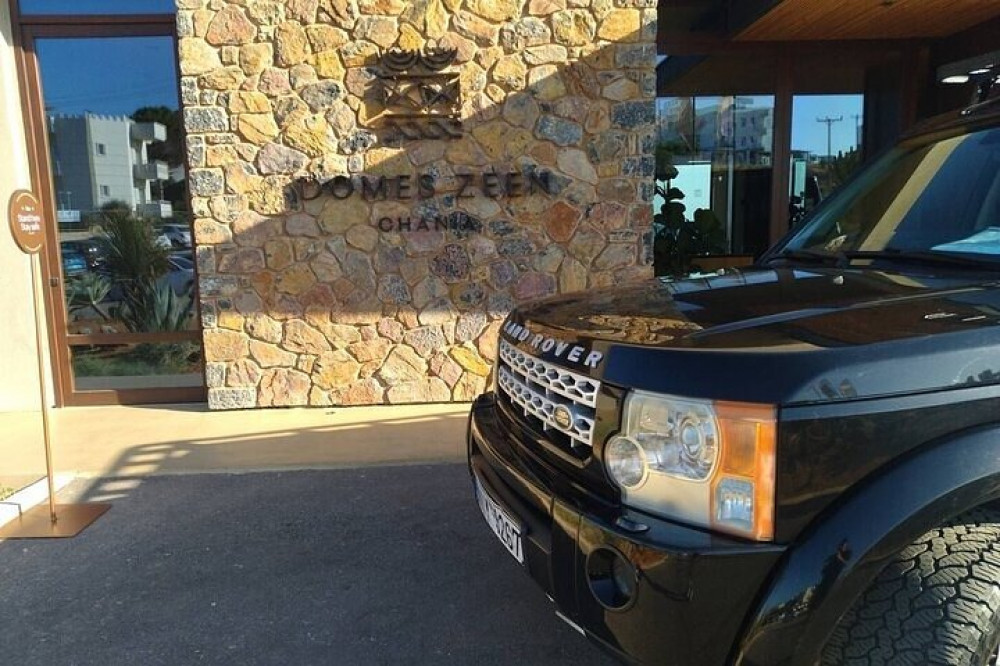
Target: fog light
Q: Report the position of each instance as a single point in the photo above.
(612, 579)
(625, 461)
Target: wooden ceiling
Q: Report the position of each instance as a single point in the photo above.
(794, 20)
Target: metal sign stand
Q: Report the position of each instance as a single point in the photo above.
(55, 521)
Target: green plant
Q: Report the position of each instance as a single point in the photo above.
(155, 307)
(135, 263)
(174, 358)
(677, 240)
(132, 255)
(842, 168)
(88, 292)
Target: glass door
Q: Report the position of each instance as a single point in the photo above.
(713, 181)
(109, 146)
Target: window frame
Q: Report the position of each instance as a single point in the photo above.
(26, 29)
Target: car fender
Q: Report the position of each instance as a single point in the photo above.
(837, 558)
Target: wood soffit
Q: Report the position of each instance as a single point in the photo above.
(868, 19)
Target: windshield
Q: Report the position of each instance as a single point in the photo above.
(933, 200)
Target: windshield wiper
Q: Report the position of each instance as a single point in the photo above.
(843, 258)
(812, 256)
(926, 257)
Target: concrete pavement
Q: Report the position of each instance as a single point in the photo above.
(378, 565)
(184, 439)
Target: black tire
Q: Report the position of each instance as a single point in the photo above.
(937, 603)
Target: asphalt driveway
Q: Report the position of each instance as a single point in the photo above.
(385, 565)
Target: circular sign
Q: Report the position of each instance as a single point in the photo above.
(27, 224)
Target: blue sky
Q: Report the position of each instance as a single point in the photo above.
(808, 134)
(112, 76)
(97, 6)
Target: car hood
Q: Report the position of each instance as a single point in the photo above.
(782, 336)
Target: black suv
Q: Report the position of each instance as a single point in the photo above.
(797, 463)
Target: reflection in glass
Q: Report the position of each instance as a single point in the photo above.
(713, 178)
(826, 148)
(119, 179)
(939, 199)
(98, 6)
(115, 136)
(136, 366)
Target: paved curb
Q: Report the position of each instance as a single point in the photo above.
(29, 497)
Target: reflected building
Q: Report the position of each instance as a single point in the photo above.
(707, 125)
(99, 159)
(721, 147)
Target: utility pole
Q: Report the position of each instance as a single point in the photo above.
(829, 124)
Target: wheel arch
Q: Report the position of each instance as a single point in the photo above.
(835, 560)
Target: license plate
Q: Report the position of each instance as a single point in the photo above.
(506, 528)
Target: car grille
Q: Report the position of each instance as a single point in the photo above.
(538, 389)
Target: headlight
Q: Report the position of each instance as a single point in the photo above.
(707, 463)
(626, 462)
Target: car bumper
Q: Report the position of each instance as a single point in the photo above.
(693, 590)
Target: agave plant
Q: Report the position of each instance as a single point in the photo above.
(87, 293)
(132, 256)
(136, 264)
(155, 307)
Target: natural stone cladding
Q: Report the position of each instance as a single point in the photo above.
(309, 302)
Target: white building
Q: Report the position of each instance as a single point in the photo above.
(99, 159)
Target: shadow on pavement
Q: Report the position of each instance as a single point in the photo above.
(377, 565)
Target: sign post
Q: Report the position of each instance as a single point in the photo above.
(27, 226)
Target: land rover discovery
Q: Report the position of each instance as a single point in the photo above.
(796, 463)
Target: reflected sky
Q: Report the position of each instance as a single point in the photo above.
(810, 135)
(98, 6)
(112, 76)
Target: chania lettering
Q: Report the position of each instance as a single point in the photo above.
(557, 348)
(494, 184)
(455, 222)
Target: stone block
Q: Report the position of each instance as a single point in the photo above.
(232, 398)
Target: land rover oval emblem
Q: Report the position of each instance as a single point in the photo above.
(563, 417)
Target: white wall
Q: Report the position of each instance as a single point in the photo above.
(18, 353)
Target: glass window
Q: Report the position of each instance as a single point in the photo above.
(713, 179)
(826, 148)
(98, 6)
(137, 366)
(118, 97)
(942, 197)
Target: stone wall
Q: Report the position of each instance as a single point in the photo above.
(305, 299)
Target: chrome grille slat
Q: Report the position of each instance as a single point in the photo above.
(577, 388)
(539, 387)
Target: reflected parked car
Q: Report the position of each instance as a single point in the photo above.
(91, 249)
(74, 264)
(183, 261)
(163, 241)
(178, 234)
(181, 276)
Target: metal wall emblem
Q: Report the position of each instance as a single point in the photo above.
(422, 98)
